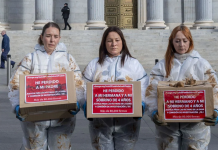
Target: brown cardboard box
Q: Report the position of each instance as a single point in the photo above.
(102, 101)
(184, 104)
(44, 110)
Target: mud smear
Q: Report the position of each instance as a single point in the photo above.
(149, 90)
(178, 84)
(128, 79)
(190, 81)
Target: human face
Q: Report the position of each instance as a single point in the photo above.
(114, 44)
(50, 39)
(181, 43)
(2, 33)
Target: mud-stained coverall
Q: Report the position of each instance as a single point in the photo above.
(49, 134)
(115, 133)
(181, 136)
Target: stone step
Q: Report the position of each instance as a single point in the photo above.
(145, 45)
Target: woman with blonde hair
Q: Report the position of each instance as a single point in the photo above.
(181, 62)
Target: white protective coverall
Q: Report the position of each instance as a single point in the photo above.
(49, 134)
(115, 133)
(181, 136)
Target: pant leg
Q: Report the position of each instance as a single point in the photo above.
(60, 136)
(68, 23)
(168, 137)
(35, 135)
(126, 133)
(3, 59)
(100, 130)
(196, 136)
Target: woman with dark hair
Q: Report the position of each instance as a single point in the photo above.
(115, 63)
(49, 56)
(181, 62)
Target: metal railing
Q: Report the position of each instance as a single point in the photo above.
(8, 68)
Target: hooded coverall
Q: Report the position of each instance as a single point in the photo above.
(115, 133)
(181, 136)
(48, 134)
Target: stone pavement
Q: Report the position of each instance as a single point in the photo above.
(11, 134)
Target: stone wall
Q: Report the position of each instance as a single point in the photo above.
(146, 45)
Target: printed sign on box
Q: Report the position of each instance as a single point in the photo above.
(184, 104)
(46, 88)
(47, 96)
(112, 99)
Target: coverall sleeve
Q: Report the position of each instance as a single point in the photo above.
(88, 74)
(24, 67)
(143, 78)
(79, 83)
(151, 91)
(211, 76)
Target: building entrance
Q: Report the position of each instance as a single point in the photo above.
(121, 13)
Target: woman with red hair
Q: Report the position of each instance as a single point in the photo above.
(181, 62)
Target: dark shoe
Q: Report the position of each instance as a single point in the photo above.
(63, 29)
(2, 68)
(13, 65)
(69, 28)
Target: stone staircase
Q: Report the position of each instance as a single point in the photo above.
(145, 45)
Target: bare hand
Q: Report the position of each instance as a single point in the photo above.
(2, 50)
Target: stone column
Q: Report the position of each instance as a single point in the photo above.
(95, 15)
(203, 9)
(141, 13)
(43, 13)
(189, 13)
(4, 25)
(155, 15)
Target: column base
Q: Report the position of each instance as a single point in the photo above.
(39, 24)
(4, 26)
(155, 25)
(95, 25)
(188, 24)
(203, 25)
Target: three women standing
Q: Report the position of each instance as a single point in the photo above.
(115, 63)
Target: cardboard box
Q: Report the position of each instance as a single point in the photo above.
(47, 96)
(114, 99)
(184, 104)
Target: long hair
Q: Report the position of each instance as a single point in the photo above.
(103, 50)
(171, 50)
(49, 24)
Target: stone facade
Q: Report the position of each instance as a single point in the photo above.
(20, 14)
